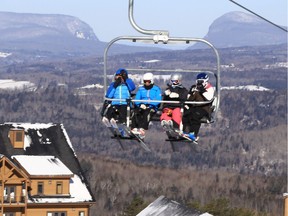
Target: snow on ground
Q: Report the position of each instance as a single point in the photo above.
(4, 55)
(92, 86)
(152, 61)
(13, 85)
(137, 78)
(247, 87)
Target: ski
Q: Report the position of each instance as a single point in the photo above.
(176, 135)
(181, 134)
(114, 130)
(137, 137)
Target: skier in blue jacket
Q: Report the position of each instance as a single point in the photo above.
(120, 89)
(145, 109)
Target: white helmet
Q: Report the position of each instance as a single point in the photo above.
(149, 77)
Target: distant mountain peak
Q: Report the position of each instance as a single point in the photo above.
(238, 16)
(236, 29)
(26, 25)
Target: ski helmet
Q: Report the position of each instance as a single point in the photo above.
(202, 78)
(175, 79)
(148, 77)
(121, 71)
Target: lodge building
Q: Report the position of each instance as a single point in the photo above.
(40, 174)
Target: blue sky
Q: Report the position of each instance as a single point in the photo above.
(182, 18)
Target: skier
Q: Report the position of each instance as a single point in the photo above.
(145, 110)
(120, 88)
(171, 113)
(202, 91)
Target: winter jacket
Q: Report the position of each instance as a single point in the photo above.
(145, 93)
(180, 90)
(122, 91)
(206, 95)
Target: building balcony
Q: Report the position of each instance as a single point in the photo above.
(13, 200)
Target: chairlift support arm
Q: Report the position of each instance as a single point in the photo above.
(162, 33)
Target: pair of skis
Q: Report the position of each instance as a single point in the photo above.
(122, 132)
(175, 135)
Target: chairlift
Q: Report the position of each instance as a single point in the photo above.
(157, 37)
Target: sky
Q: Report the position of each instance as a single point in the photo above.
(182, 18)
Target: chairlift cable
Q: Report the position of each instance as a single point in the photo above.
(259, 16)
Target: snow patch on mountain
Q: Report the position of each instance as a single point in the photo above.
(10, 84)
(242, 17)
(247, 87)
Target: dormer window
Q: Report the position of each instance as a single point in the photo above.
(17, 138)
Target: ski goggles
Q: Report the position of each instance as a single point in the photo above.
(200, 81)
(175, 82)
(147, 81)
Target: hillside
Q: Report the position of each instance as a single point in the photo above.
(245, 155)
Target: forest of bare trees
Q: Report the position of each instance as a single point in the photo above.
(240, 161)
(244, 162)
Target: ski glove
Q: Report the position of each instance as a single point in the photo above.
(174, 95)
(143, 106)
(194, 88)
(124, 76)
(117, 82)
(167, 92)
(201, 88)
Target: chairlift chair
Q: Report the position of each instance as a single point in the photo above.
(157, 37)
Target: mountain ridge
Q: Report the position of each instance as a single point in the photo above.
(236, 29)
(65, 36)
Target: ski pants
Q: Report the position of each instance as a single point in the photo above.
(118, 112)
(192, 119)
(141, 118)
(174, 115)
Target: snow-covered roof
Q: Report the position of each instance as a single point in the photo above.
(163, 206)
(51, 166)
(78, 193)
(43, 165)
(48, 152)
(38, 126)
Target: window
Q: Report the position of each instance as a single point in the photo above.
(9, 214)
(81, 213)
(40, 188)
(56, 214)
(59, 188)
(19, 136)
(9, 193)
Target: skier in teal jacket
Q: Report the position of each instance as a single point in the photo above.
(120, 89)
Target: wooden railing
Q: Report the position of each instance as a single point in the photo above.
(8, 199)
